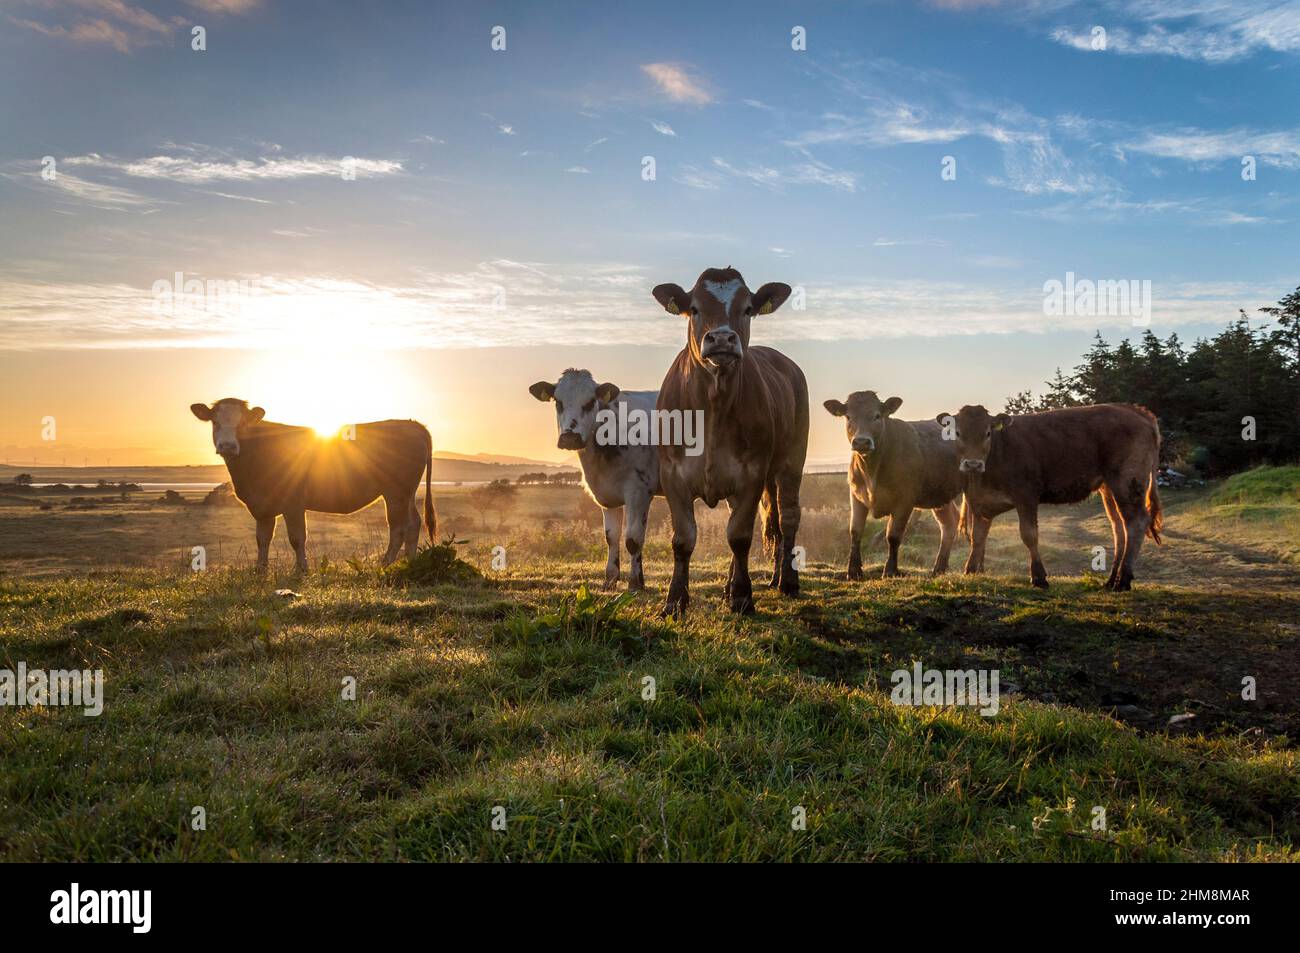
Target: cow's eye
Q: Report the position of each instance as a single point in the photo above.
(749, 310)
(877, 416)
(958, 434)
(589, 404)
(989, 433)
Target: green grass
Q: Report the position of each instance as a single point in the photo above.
(1262, 485)
(524, 692)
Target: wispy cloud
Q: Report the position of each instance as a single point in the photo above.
(720, 171)
(116, 23)
(1211, 31)
(678, 82)
(511, 303)
(662, 128)
(1279, 149)
(580, 169)
(195, 170)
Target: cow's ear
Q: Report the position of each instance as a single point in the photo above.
(942, 418)
(835, 408)
(254, 415)
(1001, 421)
(543, 391)
(607, 392)
(769, 297)
(891, 405)
(673, 298)
(201, 411)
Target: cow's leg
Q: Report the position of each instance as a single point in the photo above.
(947, 517)
(295, 524)
(979, 536)
(787, 487)
(396, 513)
(413, 527)
(638, 511)
(681, 507)
(265, 533)
(613, 539)
(740, 536)
(857, 522)
(1029, 536)
(894, 536)
(1132, 507)
(1118, 534)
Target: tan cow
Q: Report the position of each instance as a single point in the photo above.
(278, 470)
(754, 403)
(896, 466)
(1062, 456)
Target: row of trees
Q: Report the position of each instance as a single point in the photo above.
(563, 476)
(1224, 403)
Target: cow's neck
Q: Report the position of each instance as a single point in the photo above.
(722, 392)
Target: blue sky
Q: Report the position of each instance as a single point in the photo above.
(498, 218)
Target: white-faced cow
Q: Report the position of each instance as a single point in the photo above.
(1062, 456)
(896, 466)
(278, 470)
(754, 402)
(618, 476)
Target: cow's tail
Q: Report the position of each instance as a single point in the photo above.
(771, 526)
(1155, 514)
(430, 514)
(964, 521)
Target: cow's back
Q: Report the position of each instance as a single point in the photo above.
(1061, 456)
(281, 468)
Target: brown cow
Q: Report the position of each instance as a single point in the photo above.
(896, 466)
(1062, 456)
(281, 470)
(754, 404)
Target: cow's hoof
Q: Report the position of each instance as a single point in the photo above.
(636, 585)
(674, 608)
(890, 574)
(1039, 583)
(854, 574)
(610, 584)
(773, 582)
(743, 605)
(1124, 585)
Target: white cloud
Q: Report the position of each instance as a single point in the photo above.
(677, 82)
(580, 169)
(662, 128)
(195, 170)
(1279, 149)
(506, 130)
(1212, 31)
(607, 303)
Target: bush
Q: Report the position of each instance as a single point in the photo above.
(431, 565)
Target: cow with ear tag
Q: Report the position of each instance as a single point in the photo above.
(278, 470)
(754, 402)
(1061, 456)
(618, 475)
(895, 467)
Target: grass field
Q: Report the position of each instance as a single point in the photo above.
(509, 691)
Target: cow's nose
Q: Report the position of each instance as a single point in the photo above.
(228, 449)
(863, 445)
(570, 440)
(722, 338)
(972, 466)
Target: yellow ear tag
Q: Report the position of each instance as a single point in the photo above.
(766, 309)
(997, 426)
